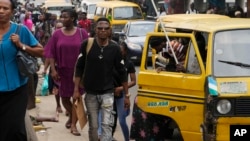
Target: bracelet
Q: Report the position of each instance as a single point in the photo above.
(23, 47)
(128, 95)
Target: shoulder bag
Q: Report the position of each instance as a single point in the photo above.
(26, 63)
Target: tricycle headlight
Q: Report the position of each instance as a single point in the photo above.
(224, 106)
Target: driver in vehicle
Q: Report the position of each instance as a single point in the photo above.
(164, 58)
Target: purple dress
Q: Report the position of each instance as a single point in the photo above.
(65, 50)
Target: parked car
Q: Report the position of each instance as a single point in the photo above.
(134, 34)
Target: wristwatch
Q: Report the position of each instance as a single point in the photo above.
(23, 47)
(128, 95)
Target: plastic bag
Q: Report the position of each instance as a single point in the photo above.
(45, 86)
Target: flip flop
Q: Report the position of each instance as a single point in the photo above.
(68, 124)
(59, 109)
(75, 132)
(67, 113)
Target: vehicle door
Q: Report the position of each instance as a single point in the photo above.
(183, 91)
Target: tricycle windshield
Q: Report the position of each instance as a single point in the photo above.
(231, 53)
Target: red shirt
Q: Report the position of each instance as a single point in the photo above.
(86, 24)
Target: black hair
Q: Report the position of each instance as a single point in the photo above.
(155, 41)
(72, 14)
(13, 4)
(84, 13)
(102, 19)
(124, 45)
(47, 16)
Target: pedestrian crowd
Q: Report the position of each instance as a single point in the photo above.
(59, 43)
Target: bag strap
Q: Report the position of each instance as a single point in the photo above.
(81, 33)
(89, 45)
(18, 29)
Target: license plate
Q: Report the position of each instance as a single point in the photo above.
(233, 87)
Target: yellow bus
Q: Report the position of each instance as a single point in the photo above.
(118, 12)
(209, 97)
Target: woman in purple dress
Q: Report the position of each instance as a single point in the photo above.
(63, 49)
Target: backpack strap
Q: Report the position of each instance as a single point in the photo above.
(89, 45)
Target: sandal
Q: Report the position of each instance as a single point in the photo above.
(67, 113)
(56, 119)
(68, 124)
(75, 132)
(59, 109)
(55, 91)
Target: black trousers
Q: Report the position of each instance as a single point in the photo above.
(12, 112)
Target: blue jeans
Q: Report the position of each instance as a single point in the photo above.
(122, 114)
(104, 103)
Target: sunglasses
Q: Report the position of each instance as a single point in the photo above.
(103, 28)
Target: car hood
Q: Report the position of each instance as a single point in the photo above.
(137, 40)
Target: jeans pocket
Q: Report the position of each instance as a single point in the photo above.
(112, 118)
(107, 102)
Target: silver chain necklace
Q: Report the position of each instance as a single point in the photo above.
(101, 56)
(102, 49)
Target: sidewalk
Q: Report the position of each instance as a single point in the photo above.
(57, 130)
